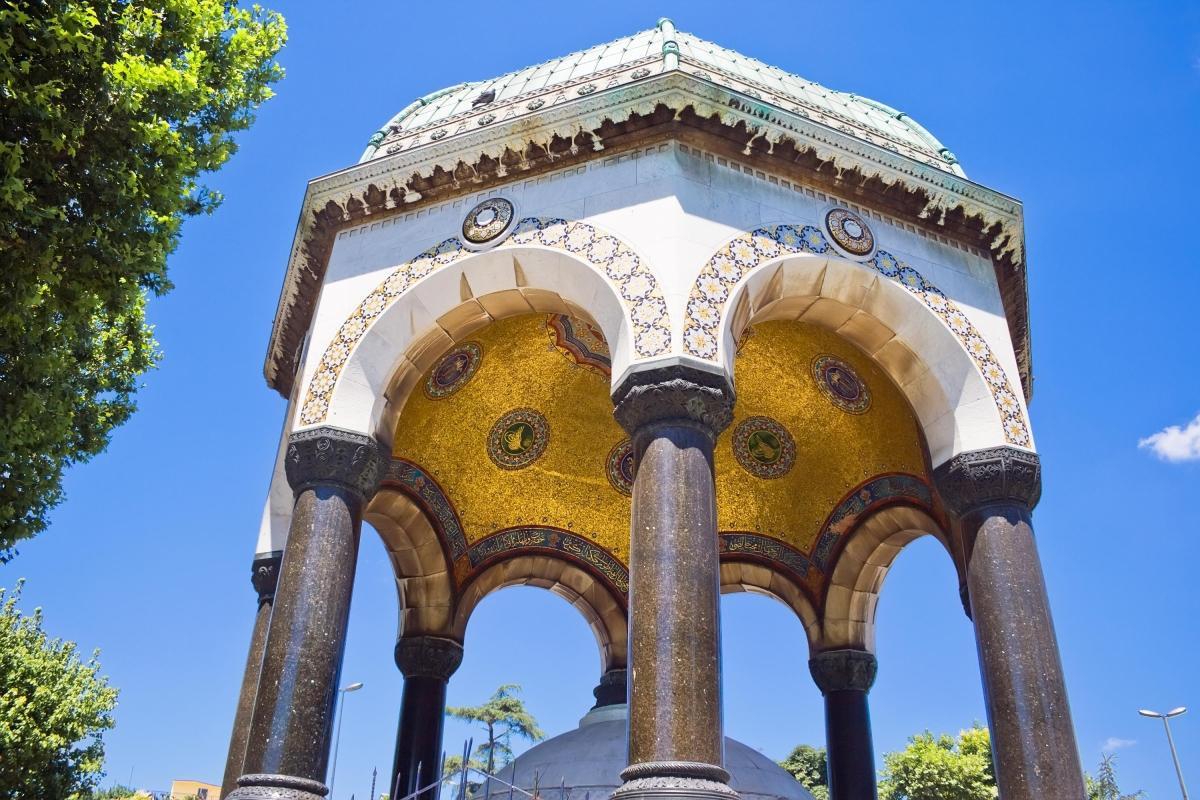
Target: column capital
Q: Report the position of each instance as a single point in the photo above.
(264, 576)
(843, 670)
(613, 688)
(674, 394)
(979, 478)
(332, 456)
(428, 657)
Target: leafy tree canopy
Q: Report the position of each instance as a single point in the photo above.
(941, 768)
(53, 709)
(112, 110)
(503, 716)
(810, 767)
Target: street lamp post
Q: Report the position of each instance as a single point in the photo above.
(337, 741)
(1175, 712)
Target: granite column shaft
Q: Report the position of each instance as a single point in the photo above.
(332, 473)
(265, 577)
(845, 677)
(676, 737)
(427, 663)
(992, 493)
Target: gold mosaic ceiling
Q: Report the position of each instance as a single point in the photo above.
(516, 427)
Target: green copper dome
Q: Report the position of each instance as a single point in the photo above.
(658, 50)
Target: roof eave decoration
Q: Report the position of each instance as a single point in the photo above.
(500, 142)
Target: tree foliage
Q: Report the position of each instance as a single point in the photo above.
(1104, 785)
(941, 768)
(53, 709)
(810, 766)
(503, 716)
(111, 110)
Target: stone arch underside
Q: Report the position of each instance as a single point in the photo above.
(932, 351)
(547, 265)
(862, 564)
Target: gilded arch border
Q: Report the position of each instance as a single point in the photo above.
(613, 259)
(708, 304)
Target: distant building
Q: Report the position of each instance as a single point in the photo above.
(197, 789)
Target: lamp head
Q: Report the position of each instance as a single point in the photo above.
(354, 687)
(1146, 713)
(1175, 712)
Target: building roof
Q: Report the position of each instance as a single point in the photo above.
(661, 49)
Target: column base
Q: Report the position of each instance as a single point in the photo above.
(675, 780)
(277, 787)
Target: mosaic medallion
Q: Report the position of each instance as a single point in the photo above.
(518, 438)
(453, 371)
(763, 447)
(841, 384)
(487, 220)
(619, 467)
(582, 344)
(850, 232)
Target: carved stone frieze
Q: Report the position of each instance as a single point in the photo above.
(428, 657)
(331, 456)
(978, 478)
(264, 575)
(843, 670)
(674, 394)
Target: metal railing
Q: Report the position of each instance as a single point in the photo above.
(463, 790)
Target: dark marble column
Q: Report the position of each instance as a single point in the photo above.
(427, 663)
(264, 574)
(992, 494)
(332, 472)
(845, 677)
(675, 728)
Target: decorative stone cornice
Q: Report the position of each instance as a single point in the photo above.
(264, 575)
(843, 670)
(979, 478)
(428, 657)
(674, 394)
(332, 456)
(613, 688)
(775, 134)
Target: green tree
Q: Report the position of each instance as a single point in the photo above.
(112, 110)
(53, 709)
(810, 766)
(1104, 785)
(941, 768)
(503, 716)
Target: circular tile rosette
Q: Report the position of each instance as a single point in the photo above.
(487, 220)
(453, 371)
(850, 232)
(841, 384)
(518, 438)
(763, 447)
(619, 467)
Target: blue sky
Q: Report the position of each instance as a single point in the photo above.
(1088, 112)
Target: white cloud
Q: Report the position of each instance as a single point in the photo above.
(1174, 443)
(1112, 744)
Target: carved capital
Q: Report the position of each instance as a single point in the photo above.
(330, 456)
(428, 657)
(613, 688)
(979, 478)
(674, 394)
(843, 670)
(264, 575)
(278, 787)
